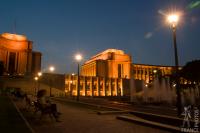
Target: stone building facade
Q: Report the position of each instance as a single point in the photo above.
(17, 55)
(111, 63)
(148, 72)
(108, 74)
(96, 86)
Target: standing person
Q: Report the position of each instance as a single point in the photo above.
(46, 104)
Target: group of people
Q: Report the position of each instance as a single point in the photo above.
(42, 100)
(46, 104)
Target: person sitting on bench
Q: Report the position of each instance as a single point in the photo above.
(46, 104)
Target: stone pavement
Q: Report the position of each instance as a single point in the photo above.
(78, 118)
(11, 120)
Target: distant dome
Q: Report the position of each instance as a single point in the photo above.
(14, 37)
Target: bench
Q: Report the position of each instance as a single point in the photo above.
(43, 110)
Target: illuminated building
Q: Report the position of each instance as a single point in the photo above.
(96, 86)
(17, 55)
(111, 63)
(108, 74)
(148, 72)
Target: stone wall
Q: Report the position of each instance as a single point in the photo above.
(27, 85)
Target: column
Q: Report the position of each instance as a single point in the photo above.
(84, 85)
(76, 85)
(91, 88)
(110, 86)
(104, 86)
(116, 89)
(98, 86)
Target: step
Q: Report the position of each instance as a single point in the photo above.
(135, 119)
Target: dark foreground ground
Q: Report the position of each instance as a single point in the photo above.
(75, 118)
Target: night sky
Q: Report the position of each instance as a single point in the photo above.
(62, 28)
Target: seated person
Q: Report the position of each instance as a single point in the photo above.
(19, 94)
(44, 101)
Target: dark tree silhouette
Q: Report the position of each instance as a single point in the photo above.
(191, 71)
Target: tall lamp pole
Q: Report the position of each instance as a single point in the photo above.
(78, 58)
(173, 20)
(51, 69)
(36, 84)
(39, 76)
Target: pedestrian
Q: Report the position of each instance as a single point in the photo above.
(46, 104)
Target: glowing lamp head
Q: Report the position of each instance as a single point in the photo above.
(36, 78)
(173, 19)
(78, 57)
(39, 74)
(51, 68)
(154, 71)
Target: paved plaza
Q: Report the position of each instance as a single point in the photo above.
(78, 118)
(10, 119)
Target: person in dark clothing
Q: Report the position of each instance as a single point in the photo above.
(46, 104)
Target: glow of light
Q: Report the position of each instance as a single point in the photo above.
(154, 71)
(36, 78)
(173, 19)
(78, 57)
(39, 74)
(174, 85)
(51, 68)
(146, 85)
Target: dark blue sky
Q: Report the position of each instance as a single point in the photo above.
(61, 28)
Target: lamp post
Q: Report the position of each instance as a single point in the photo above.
(51, 69)
(173, 20)
(39, 75)
(78, 58)
(36, 81)
(155, 74)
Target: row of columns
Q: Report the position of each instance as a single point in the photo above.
(94, 86)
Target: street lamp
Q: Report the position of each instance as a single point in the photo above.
(173, 21)
(36, 80)
(39, 75)
(51, 69)
(78, 58)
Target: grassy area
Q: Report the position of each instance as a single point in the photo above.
(10, 120)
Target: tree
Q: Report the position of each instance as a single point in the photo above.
(191, 71)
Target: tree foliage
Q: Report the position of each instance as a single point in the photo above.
(191, 71)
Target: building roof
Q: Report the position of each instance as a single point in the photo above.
(14, 37)
(109, 51)
(103, 55)
(151, 65)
